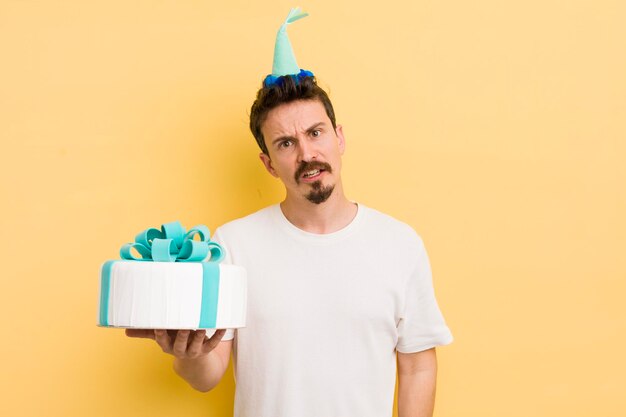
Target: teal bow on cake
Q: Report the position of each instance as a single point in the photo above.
(172, 244)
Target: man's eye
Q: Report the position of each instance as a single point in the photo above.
(285, 144)
(316, 133)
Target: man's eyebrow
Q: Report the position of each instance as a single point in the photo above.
(314, 127)
(289, 137)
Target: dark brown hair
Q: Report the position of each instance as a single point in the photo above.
(285, 90)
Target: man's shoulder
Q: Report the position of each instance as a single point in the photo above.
(387, 225)
(260, 218)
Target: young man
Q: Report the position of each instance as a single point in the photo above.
(340, 296)
(337, 291)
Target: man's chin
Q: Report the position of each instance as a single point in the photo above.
(319, 193)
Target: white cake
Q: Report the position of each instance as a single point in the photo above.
(172, 295)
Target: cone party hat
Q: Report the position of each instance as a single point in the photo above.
(284, 58)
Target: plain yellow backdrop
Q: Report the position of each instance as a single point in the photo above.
(495, 128)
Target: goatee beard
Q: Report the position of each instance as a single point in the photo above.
(319, 193)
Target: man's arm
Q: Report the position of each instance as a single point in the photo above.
(200, 361)
(417, 380)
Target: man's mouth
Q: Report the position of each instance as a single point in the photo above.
(311, 171)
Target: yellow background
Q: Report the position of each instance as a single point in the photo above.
(495, 128)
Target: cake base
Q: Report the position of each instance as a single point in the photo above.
(172, 295)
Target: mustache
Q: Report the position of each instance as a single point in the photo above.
(310, 165)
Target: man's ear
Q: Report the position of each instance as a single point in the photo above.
(341, 140)
(267, 163)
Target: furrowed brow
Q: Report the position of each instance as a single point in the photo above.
(315, 127)
(288, 137)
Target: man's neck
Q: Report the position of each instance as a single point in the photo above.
(330, 216)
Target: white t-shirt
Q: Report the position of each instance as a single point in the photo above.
(327, 313)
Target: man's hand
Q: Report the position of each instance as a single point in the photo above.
(199, 360)
(183, 344)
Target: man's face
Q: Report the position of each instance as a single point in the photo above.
(304, 149)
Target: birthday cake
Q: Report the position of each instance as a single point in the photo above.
(172, 279)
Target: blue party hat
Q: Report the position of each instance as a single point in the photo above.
(284, 58)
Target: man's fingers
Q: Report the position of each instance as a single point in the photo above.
(163, 339)
(141, 333)
(195, 345)
(211, 343)
(180, 344)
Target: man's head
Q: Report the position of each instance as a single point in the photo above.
(295, 127)
(285, 90)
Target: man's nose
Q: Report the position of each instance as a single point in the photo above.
(307, 150)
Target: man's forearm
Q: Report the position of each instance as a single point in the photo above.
(417, 381)
(416, 395)
(203, 373)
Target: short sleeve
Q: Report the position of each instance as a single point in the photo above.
(230, 333)
(421, 325)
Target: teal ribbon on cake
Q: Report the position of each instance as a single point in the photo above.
(172, 243)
